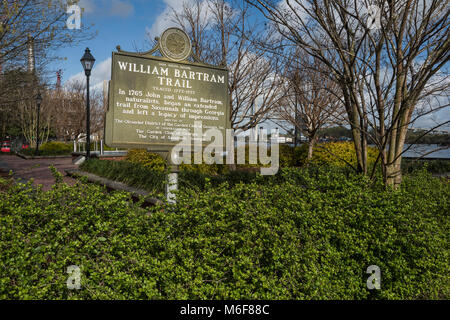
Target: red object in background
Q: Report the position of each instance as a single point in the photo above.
(25, 146)
(6, 146)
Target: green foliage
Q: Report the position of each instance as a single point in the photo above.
(340, 154)
(51, 148)
(133, 174)
(303, 234)
(220, 169)
(420, 136)
(56, 174)
(189, 179)
(136, 175)
(56, 147)
(433, 166)
(203, 168)
(247, 163)
(209, 169)
(106, 148)
(336, 132)
(4, 183)
(147, 159)
(293, 156)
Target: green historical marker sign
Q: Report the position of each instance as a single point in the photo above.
(150, 97)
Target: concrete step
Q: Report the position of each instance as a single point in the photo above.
(79, 160)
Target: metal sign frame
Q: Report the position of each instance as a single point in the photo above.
(148, 56)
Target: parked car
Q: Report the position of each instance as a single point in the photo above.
(6, 147)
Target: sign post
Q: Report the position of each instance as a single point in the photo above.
(151, 98)
(172, 185)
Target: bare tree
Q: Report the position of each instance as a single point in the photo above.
(69, 111)
(10, 94)
(62, 112)
(223, 33)
(311, 100)
(23, 109)
(44, 21)
(386, 64)
(41, 23)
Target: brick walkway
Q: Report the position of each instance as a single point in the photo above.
(37, 169)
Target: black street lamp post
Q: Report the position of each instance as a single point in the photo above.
(88, 62)
(38, 102)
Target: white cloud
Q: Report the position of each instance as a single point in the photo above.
(432, 120)
(88, 6)
(101, 71)
(164, 21)
(120, 8)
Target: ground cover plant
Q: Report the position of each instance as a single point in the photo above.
(436, 166)
(303, 234)
(133, 174)
(146, 177)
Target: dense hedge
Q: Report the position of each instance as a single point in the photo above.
(56, 147)
(140, 176)
(133, 174)
(293, 156)
(147, 159)
(304, 234)
(340, 154)
(432, 165)
(51, 148)
(330, 154)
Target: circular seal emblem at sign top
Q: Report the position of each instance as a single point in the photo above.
(175, 44)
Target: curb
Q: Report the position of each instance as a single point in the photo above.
(41, 157)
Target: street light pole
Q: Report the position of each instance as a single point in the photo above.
(88, 121)
(88, 62)
(38, 102)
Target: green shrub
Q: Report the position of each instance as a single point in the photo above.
(209, 169)
(133, 174)
(51, 148)
(288, 157)
(56, 147)
(433, 166)
(4, 183)
(203, 168)
(304, 234)
(189, 179)
(147, 159)
(293, 156)
(136, 175)
(340, 154)
(218, 169)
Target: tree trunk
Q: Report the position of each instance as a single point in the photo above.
(311, 143)
(393, 174)
(394, 168)
(359, 149)
(359, 139)
(3, 115)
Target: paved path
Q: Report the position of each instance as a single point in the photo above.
(37, 169)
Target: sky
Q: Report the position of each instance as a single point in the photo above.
(129, 23)
(118, 22)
